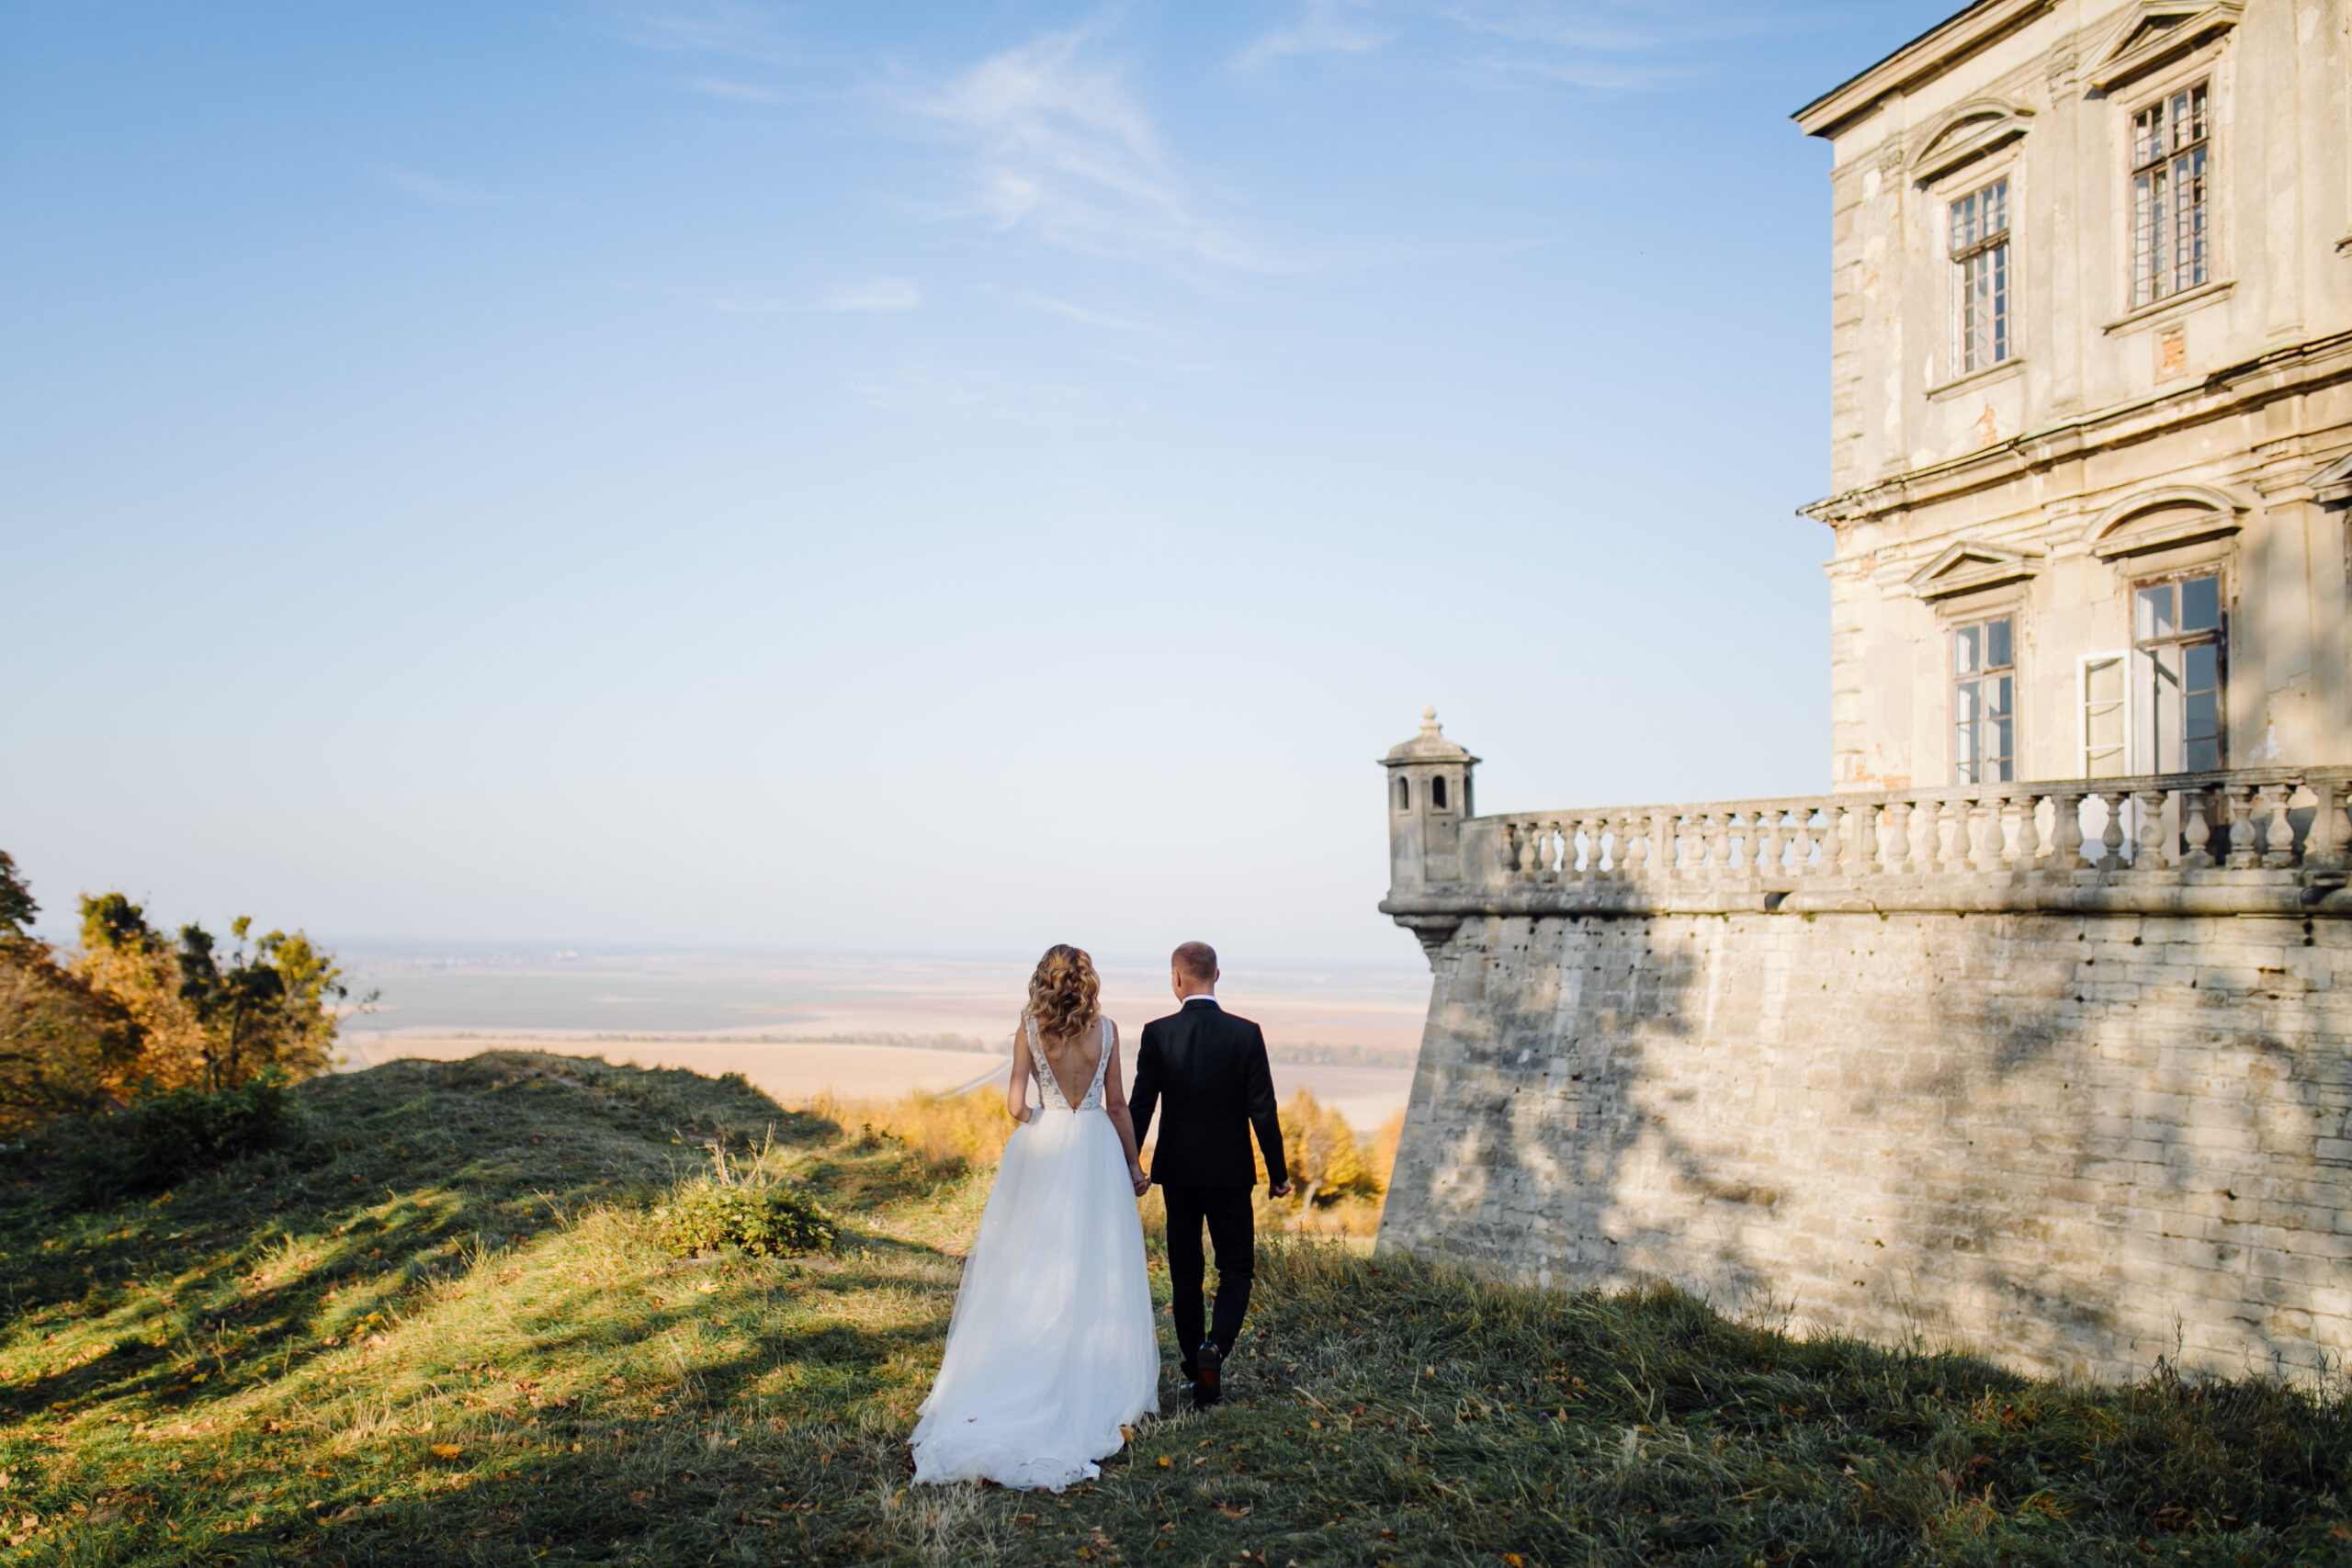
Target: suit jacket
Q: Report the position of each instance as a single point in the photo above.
(1206, 1070)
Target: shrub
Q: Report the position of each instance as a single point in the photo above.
(161, 1140)
(170, 1136)
(770, 1221)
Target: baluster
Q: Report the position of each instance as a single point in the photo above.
(2324, 849)
(2110, 837)
(2282, 827)
(2196, 831)
(2151, 851)
(1563, 834)
(1765, 848)
(2239, 802)
(1836, 821)
(1593, 829)
(1985, 834)
(1511, 851)
(1801, 839)
(2028, 851)
(1689, 847)
(1719, 843)
(1638, 851)
(1898, 838)
(2066, 829)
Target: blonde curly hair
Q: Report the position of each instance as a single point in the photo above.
(1065, 992)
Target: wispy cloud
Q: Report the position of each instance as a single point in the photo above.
(1324, 26)
(737, 91)
(1610, 45)
(974, 391)
(446, 193)
(880, 294)
(1062, 147)
(1085, 315)
(726, 27)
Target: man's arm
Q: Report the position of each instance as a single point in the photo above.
(1263, 1114)
(1146, 1097)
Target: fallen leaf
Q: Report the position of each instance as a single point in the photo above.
(1165, 1461)
(1230, 1512)
(1512, 1559)
(447, 1450)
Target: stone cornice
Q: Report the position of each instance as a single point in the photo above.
(2278, 894)
(1931, 54)
(2281, 373)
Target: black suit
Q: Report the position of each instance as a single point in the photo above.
(1209, 1068)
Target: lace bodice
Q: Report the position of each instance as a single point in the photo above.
(1049, 1088)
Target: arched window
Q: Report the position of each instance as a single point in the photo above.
(1404, 794)
(1437, 792)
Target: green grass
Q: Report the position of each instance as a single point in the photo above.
(436, 1328)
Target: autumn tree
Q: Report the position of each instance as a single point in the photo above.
(65, 1048)
(1326, 1162)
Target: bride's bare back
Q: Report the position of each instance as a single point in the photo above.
(1071, 1060)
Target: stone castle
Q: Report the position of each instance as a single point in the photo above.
(2054, 1071)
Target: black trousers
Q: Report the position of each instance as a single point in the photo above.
(1226, 1210)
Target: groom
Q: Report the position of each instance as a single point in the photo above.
(1209, 1070)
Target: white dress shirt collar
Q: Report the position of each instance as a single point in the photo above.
(1208, 997)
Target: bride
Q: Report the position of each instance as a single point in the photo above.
(1052, 1348)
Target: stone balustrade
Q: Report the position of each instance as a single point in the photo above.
(2244, 841)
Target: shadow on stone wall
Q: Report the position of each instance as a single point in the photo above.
(1529, 1114)
(2022, 1134)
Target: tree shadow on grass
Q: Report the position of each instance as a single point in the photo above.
(394, 1180)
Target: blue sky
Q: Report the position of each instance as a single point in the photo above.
(892, 476)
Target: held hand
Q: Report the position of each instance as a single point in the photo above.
(1142, 1182)
(1281, 1189)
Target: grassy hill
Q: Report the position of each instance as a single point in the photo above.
(434, 1328)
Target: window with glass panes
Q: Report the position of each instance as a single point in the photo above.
(2171, 177)
(1984, 703)
(1980, 253)
(2176, 633)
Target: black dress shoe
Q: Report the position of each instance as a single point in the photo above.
(1208, 1376)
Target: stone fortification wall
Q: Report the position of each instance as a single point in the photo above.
(2073, 1140)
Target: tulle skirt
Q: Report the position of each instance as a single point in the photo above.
(1052, 1348)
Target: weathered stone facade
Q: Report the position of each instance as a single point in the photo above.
(2078, 1143)
(2060, 1072)
(2143, 374)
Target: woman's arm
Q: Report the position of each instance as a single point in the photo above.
(1114, 1105)
(1016, 1087)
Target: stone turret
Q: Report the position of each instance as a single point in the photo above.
(1428, 797)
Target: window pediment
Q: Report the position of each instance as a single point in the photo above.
(1967, 134)
(2159, 31)
(2333, 482)
(1970, 565)
(2159, 520)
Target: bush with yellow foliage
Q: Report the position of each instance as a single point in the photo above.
(135, 1014)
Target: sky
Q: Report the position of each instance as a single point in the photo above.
(894, 477)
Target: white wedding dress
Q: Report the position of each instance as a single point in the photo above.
(1052, 1348)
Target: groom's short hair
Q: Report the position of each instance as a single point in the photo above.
(1197, 960)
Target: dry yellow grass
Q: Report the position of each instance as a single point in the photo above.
(966, 1131)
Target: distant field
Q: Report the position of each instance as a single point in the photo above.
(795, 1073)
(795, 1025)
